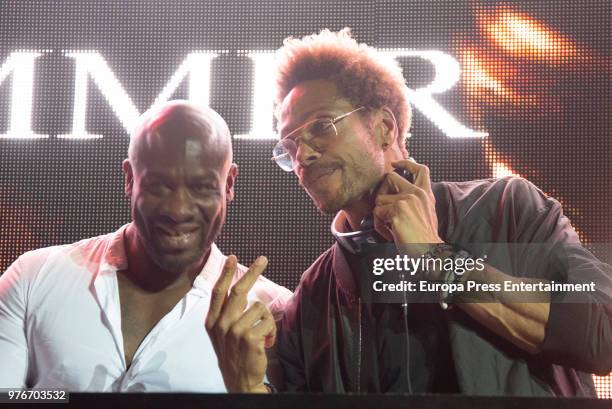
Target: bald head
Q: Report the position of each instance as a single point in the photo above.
(177, 123)
(179, 177)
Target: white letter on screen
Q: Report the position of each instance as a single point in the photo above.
(90, 63)
(447, 73)
(263, 95)
(21, 65)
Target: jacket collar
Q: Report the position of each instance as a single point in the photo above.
(340, 265)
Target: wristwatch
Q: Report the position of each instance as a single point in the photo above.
(446, 251)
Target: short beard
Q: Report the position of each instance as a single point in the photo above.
(351, 191)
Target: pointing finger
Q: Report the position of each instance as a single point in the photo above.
(219, 291)
(237, 299)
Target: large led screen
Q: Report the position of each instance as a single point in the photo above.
(497, 88)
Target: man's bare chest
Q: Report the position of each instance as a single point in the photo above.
(140, 313)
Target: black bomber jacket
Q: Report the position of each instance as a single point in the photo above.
(330, 341)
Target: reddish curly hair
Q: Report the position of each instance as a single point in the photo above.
(362, 75)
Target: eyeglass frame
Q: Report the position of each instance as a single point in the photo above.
(333, 122)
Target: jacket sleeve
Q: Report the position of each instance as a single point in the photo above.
(579, 329)
(289, 349)
(13, 342)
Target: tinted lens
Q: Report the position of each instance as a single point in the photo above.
(283, 154)
(285, 150)
(321, 128)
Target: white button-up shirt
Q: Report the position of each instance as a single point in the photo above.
(60, 324)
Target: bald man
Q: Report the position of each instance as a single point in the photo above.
(125, 311)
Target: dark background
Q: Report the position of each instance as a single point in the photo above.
(554, 131)
(548, 111)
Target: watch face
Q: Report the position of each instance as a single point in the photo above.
(440, 248)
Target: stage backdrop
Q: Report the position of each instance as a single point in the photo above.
(497, 88)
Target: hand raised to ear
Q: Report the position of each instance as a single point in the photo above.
(406, 212)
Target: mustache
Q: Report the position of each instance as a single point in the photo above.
(312, 174)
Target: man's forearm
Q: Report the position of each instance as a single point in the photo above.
(522, 323)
